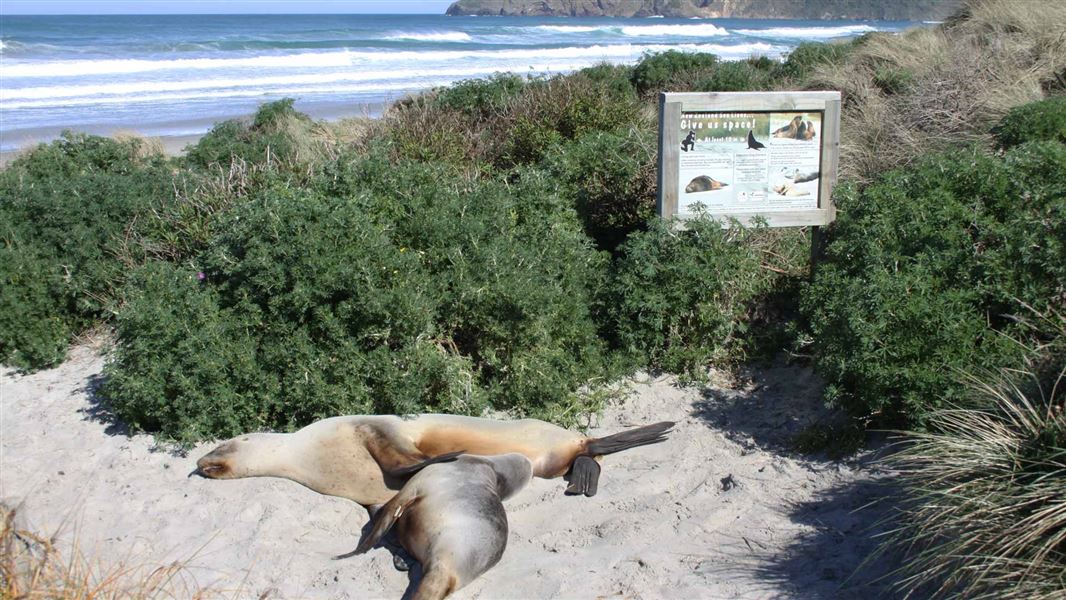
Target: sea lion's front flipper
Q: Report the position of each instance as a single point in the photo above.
(584, 477)
(383, 522)
(412, 469)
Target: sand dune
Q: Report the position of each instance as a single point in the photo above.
(718, 511)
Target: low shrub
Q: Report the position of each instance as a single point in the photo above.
(480, 97)
(385, 288)
(740, 76)
(923, 272)
(611, 177)
(656, 70)
(805, 58)
(276, 135)
(72, 214)
(1044, 120)
(680, 299)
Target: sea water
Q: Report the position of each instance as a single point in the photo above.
(178, 74)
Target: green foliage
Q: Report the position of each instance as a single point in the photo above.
(72, 214)
(481, 97)
(893, 80)
(679, 299)
(611, 178)
(740, 76)
(655, 71)
(277, 134)
(1044, 120)
(924, 269)
(393, 288)
(804, 58)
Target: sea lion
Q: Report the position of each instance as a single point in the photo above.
(787, 189)
(798, 177)
(790, 130)
(807, 133)
(754, 144)
(367, 458)
(450, 517)
(704, 183)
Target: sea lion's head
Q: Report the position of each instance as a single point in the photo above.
(234, 459)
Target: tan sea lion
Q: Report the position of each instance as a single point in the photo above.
(790, 130)
(367, 458)
(450, 517)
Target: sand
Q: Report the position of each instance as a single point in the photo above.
(720, 510)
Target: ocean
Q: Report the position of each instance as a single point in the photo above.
(175, 75)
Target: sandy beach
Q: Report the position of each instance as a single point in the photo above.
(720, 510)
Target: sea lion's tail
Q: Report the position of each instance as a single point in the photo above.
(584, 472)
(640, 436)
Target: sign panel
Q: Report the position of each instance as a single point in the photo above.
(748, 155)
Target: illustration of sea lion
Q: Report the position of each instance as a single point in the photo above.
(450, 517)
(704, 183)
(689, 142)
(787, 189)
(806, 132)
(798, 177)
(754, 144)
(367, 458)
(790, 130)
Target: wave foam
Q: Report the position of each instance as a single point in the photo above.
(701, 30)
(431, 36)
(807, 32)
(323, 60)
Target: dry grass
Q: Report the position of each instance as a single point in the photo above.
(986, 513)
(33, 567)
(931, 89)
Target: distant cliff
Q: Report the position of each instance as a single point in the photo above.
(887, 10)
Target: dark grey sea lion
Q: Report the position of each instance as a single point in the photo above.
(450, 517)
(704, 183)
(754, 144)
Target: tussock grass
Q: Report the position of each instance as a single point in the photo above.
(33, 567)
(933, 89)
(986, 513)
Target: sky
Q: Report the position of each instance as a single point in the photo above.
(121, 7)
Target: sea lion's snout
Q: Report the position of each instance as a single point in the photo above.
(215, 464)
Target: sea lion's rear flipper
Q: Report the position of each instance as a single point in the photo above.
(412, 469)
(383, 522)
(641, 436)
(584, 477)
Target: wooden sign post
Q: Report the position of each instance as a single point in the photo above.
(749, 156)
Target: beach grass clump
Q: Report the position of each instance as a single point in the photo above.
(931, 89)
(74, 219)
(924, 272)
(983, 514)
(1043, 120)
(32, 566)
(277, 136)
(681, 298)
(395, 288)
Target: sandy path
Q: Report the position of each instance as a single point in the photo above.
(664, 524)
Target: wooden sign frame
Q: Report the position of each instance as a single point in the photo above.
(672, 107)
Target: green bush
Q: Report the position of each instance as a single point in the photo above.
(611, 177)
(481, 97)
(655, 71)
(1045, 120)
(739, 76)
(385, 288)
(679, 299)
(277, 132)
(923, 272)
(803, 59)
(73, 220)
